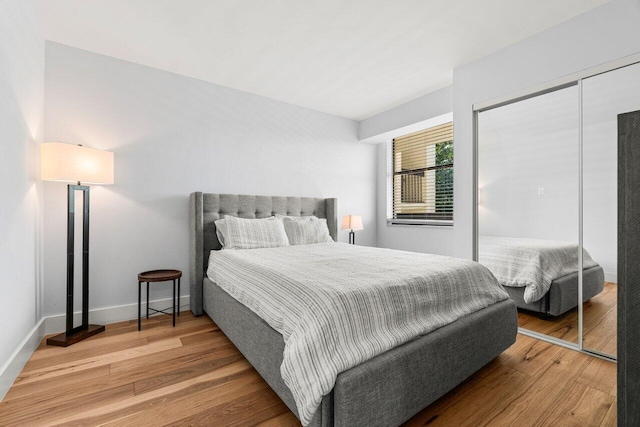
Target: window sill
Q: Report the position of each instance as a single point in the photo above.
(419, 223)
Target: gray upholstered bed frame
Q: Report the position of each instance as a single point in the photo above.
(383, 391)
(563, 294)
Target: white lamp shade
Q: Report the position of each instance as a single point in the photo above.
(352, 222)
(74, 163)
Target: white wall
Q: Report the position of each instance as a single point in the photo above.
(406, 118)
(171, 136)
(21, 123)
(525, 149)
(603, 34)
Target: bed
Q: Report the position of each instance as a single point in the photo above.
(385, 390)
(550, 266)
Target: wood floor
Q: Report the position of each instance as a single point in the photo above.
(600, 318)
(192, 375)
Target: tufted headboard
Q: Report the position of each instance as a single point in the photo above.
(205, 208)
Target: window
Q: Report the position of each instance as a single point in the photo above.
(422, 177)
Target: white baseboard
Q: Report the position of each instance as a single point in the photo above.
(102, 316)
(610, 277)
(9, 372)
(56, 323)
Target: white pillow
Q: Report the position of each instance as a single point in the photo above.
(306, 230)
(242, 233)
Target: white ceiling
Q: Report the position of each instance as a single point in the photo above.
(351, 58)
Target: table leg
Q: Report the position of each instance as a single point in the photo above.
(174, 303)
(178, 296)
(139, 301)
(147, 300)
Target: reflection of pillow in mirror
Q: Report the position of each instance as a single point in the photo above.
(221, 230)
(306, 230)
(242, 233)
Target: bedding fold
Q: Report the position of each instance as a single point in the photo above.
(338, 305)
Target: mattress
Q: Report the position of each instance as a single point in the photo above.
(338, 305)
(530, 263)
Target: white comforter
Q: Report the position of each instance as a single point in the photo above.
(530, 263)
(338, 305)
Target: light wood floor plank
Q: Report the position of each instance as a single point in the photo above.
(62, 357)
(152, 326)
(287, 419)
(611, 419)
(183, 404)
(152, 402)
(52, 385)
(247, 410)
(611, 347)
(472, 402)
(219, 345)
(600, 331)
(523, 405)
(531, 356)
(598, 375)
(78, 365)
(579, 406)
(44, 411)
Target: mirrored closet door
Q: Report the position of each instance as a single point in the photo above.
(547, 205)
(528, 205)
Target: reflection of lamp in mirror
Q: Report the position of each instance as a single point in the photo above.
(75, 163)
(352, 223)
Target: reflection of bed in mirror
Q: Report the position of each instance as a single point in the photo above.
(540, 275)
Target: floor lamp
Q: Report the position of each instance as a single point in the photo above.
(81, 166)
(352, 223)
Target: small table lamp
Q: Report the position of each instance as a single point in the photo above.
(81, 165)
(352, 223)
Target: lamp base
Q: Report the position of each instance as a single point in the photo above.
(64, 340)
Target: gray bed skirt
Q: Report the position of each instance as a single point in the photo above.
(563, 294)
(388, 389)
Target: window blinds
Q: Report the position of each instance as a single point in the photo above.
(423, 175)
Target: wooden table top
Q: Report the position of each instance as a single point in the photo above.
(159, 275)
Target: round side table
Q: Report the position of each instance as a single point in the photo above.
(159, 276)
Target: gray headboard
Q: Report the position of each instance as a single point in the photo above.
(205, 208)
